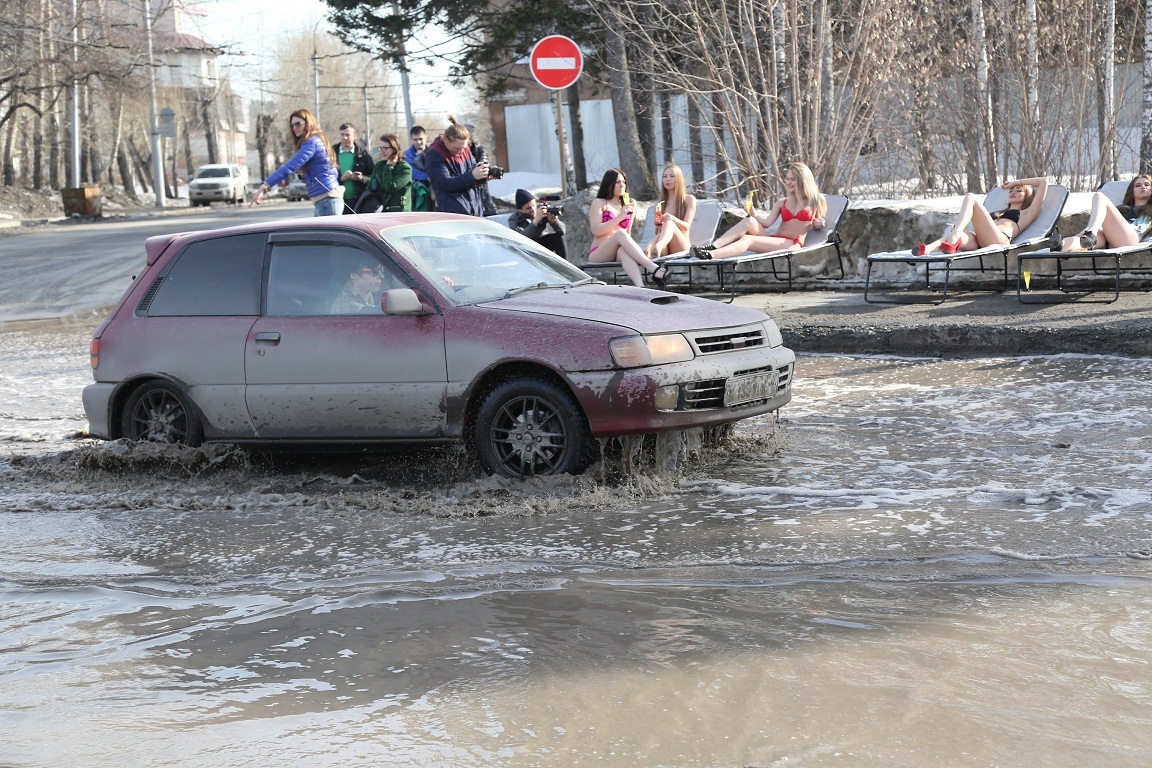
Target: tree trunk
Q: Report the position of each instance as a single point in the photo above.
(627, 135)
(1146, 117)
(645, 110)
(141, 165)
(209, 130)
(9, 167)
(1033, 128)
(576, 139)
(723, 181)
(126, 173)
(1109, 171)
(666, 124)
(695, 142)
(984, 97)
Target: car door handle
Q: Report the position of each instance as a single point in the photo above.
(269, 336)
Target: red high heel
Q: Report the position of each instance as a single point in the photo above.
(920, 250)
(949, 247)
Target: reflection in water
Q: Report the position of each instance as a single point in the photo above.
(930, 563)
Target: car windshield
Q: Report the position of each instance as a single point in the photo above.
(212, 173)
(476, 261)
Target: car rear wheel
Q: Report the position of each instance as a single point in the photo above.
(529, 427)
(160, 413)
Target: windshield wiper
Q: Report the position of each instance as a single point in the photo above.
(542, 287)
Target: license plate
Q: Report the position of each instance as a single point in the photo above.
(745, 389)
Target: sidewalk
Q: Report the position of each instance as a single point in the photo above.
(976, 324)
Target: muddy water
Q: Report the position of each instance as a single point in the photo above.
(925, 563)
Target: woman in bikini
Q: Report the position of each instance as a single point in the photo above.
(610, 218)
(674, 214)
(1111, 226)
(799, 211)
(1025, 200)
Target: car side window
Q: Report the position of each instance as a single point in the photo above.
(217, 276)
(317, 279)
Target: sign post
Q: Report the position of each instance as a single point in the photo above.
(556, 63)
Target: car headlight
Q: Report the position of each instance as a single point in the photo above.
(772, 334)
(637, 351)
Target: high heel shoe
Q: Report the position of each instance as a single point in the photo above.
(660, 277)
(920, 250)
(699, 252)
(1055, 242)
(950, 247)
(1088, 240)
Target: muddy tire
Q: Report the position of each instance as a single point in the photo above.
(159, 412)
(529, 427)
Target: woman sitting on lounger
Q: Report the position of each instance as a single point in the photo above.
(674, 214)
(1025, 201)
(801, 210)
(1111, 226)
(610, 218)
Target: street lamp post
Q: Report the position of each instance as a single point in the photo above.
(316, 71)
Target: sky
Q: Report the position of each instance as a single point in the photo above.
(253, 26)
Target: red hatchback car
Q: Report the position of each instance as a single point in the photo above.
(416, 328)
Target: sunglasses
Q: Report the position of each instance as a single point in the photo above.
(297, 123)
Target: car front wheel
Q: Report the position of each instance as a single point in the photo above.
(159, 412)
(529, 427)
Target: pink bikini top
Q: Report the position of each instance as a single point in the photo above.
(804, 215)
(607, 216)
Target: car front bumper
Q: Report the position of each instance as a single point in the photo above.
(706, 391)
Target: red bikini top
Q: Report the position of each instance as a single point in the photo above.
(804, 215)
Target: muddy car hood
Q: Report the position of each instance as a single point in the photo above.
(638, 309)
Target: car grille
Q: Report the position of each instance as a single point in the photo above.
(700, 395)
(710, 343)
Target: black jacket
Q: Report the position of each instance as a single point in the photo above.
(362, 162)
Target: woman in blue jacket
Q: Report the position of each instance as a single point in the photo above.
(453, 172)
(315, 160)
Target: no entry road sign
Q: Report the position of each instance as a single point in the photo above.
(556, 62)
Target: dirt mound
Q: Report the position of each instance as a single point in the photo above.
(18, 203)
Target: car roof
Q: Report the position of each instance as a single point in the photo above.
(371, 224)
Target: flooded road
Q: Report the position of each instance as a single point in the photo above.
(926, 563)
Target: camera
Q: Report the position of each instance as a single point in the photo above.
(554, 210)
(495, 172)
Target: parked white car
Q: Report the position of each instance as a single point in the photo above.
(218, 182)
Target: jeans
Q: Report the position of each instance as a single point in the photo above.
(328, 206)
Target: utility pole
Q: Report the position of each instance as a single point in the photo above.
(404, 86)
(75, 175)
(157, 158)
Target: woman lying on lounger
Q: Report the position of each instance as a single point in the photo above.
(1025, 201)
(1111, 226)
(801, 210)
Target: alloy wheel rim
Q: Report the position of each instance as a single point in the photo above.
(529, 437)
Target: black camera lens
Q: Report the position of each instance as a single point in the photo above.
(495, 172)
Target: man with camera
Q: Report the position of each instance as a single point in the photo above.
(532, 217)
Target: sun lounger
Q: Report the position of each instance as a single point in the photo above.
(817, 240)
(1033, 237)
(702, 230)
(1100, 261)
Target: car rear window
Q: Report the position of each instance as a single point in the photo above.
(219, 276)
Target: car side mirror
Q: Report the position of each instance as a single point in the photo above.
(401, 301)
